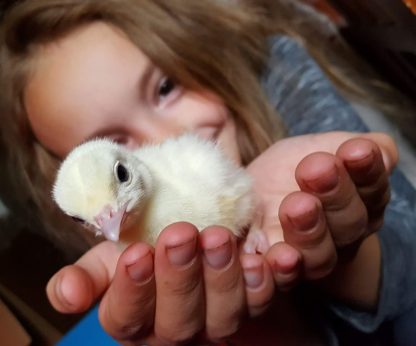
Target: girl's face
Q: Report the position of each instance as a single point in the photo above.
(96, 83)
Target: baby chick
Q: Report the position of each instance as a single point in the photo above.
(133, 195)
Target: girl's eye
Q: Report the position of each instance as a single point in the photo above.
(166, 87)
(167, 91)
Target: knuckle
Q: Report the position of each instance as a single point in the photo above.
(231, 284)
(182, 288)
(372, 193)
(321, 261)
(356, 232)
(350, 225)
(339, 202)
(261, 305)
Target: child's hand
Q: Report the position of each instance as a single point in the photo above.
(326, 225)
(148, 298)
(190, 286)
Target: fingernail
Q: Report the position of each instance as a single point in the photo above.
(219, 256)
(324, 183)
(253, 276)
(182, 254)
(60, 292)
(361, 161)
(142, 269)
(364, 169)
(306, 221)
(287, 263)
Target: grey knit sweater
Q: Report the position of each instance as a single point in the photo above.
(308, 103)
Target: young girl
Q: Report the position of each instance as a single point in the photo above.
(139, 71)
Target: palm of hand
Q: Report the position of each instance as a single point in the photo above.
(274, 174)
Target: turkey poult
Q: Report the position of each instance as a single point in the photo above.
(130, 195)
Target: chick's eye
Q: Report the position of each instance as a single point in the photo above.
(122, 173)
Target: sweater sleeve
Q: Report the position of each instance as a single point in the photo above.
(308, 103)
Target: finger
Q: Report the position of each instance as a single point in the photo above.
(127, 309)
(285, 262)
(180, 311)
(76, 287)
(324, 176)
(335, 139)
(364, 163)
(304, 228)
(259, 283)
(224, 284)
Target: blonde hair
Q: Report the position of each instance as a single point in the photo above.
(211, 44)
(202, 44)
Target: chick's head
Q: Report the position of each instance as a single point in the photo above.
(99, 183)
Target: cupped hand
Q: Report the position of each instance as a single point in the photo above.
(197, 285)
(327, 209)
(190, 286)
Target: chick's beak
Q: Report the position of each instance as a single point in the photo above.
(110, 221)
